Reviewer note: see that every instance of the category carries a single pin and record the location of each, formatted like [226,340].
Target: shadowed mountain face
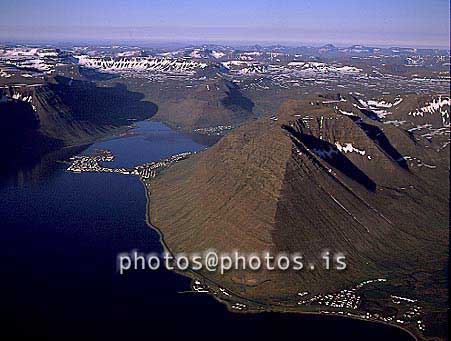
[38,119]
[316,179]
[331,155]
[20,134]
[100,105]
[212,103]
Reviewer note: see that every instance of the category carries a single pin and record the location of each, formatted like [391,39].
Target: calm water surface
[61,233]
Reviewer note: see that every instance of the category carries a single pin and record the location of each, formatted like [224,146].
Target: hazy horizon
[415,23]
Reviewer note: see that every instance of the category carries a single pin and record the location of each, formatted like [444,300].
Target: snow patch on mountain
[16,96]
[349,148]
[40,59]
[379,107]
[25,52]
[439,105]
[323,67]
[217,54]
[347,113]
[4,74]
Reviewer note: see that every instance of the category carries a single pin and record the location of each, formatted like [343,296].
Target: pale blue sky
[381,22]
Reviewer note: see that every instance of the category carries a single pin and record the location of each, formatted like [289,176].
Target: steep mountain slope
[20,134]
[38,119]
[316,179]
[212,103]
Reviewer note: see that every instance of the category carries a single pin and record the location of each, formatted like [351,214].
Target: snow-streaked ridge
[141,64]
[437,105]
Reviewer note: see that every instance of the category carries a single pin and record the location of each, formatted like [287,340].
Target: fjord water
[61,233]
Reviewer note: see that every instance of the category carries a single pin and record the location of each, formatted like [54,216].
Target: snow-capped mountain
[30,58]
[141,64]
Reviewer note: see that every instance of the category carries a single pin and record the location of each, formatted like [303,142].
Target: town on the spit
[92,163]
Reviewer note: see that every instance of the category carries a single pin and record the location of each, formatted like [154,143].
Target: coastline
[260,307]
[253,306]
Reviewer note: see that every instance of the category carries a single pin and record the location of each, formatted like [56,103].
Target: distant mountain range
[197,87]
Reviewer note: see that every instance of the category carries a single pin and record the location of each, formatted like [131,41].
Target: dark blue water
[61,233]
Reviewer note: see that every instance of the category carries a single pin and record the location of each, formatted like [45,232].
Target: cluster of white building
[239,306]
[199,287]
[213,130]
[92,163]
[349,300]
